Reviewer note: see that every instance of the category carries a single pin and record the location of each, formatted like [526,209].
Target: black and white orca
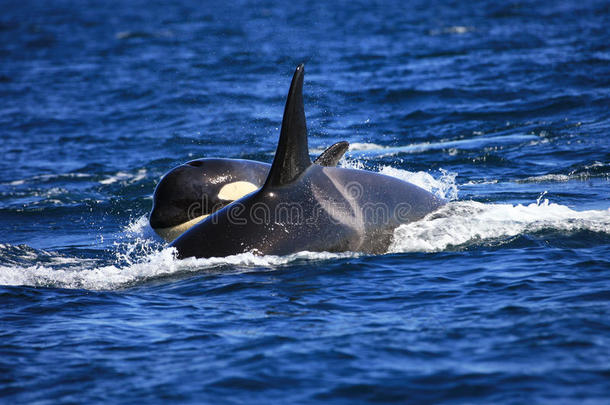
[303,206]
[192,191]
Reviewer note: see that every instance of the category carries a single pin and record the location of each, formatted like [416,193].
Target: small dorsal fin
[331,156]
[292,153]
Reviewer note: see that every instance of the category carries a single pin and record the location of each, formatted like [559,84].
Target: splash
[124,178]
[372,150]
[468,223]
[586,172]
[89,275]
[443,187]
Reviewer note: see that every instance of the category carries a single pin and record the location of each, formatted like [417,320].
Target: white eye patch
[236,190]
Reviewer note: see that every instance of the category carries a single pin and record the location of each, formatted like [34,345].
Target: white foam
[127,178]
[469,222]
[139,228]
[351,163]
[585,173]
[358,146]
[76,273]
[443,187]
[455,29]
[48,177]
[139,256]
[370,150]
[546,178]
[353,147]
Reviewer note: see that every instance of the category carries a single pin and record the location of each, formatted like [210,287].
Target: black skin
[325,209]
[306,207]
[191,190]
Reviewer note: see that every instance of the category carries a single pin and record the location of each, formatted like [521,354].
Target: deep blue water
[501,107]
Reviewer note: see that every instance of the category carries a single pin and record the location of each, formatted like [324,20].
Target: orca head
[190,192]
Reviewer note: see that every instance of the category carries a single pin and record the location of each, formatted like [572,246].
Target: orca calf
[303,206]
[192,191]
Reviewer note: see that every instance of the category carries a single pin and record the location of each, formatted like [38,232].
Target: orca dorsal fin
[331,156]
[292,153]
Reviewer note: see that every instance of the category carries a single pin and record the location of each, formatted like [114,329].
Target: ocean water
[501,107]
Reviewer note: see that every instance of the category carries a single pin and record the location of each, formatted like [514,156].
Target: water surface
[502,108]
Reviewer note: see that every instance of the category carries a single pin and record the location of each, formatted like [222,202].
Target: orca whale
[303,206]
[192,191]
